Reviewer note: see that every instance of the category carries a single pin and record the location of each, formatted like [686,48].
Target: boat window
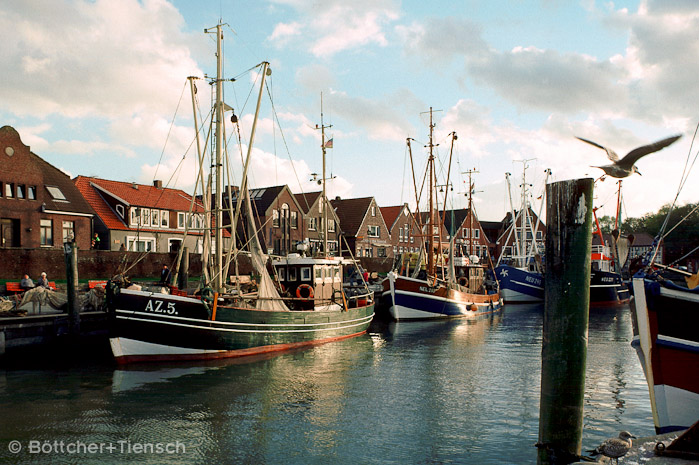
[306,273]
[292,274]
[319,272]
[282,274]
[336,273]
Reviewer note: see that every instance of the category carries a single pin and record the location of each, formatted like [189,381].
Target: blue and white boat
[519,269]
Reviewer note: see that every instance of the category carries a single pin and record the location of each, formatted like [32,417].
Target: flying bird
[615,447]
[621,168]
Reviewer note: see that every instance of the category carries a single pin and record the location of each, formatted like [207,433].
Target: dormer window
[55,193]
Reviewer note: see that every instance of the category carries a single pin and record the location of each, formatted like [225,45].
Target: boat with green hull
[289,302]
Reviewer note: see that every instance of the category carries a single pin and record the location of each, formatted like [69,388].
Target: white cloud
[334,26]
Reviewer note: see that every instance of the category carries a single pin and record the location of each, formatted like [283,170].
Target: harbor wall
[92,264]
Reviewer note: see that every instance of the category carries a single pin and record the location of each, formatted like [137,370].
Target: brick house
[140,217]
[469,235]
[39,205]
[312,206]
[363,227]
[506,244]
[278,216]
[402,228]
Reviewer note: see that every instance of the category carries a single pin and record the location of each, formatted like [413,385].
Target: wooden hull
[607,289]
[155,327]
[520,286]
[416,299]
[667,344]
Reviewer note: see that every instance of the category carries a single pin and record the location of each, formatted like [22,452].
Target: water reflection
[408,392]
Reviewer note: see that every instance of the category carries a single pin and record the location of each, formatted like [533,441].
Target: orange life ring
[305,287]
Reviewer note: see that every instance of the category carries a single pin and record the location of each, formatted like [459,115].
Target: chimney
[134,185]
[337,197]
[158,184]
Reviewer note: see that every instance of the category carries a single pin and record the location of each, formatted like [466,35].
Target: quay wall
[92,264]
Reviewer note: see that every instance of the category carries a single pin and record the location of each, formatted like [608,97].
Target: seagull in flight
[621,168]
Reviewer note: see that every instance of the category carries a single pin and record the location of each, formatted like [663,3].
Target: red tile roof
[391,214]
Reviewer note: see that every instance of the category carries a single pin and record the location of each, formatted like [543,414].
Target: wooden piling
[183,277]
[71,257]
[567,302]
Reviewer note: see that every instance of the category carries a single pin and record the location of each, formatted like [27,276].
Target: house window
[134,216]
[381,252]
[373,231]
[46,232]
[539,235]
[2,190]
[373,210]
[331,225]
[143,244]
[400,235]
[9,190]
[145,216]
[312,224]
[294,220]
[332,246]
[120,210]
[31,193]
[464,233]
[155,218]
[275,218]
[21,191]
[180,220]
[368,252]
[359,252]
[164,218]
[55,193]
[476,233]
[68,231]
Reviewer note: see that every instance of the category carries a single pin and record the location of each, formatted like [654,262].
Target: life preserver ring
[463,281]
[307,290]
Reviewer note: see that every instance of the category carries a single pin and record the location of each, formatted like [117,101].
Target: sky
[98,88]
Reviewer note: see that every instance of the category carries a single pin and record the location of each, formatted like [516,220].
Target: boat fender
[474,307]
[304,289]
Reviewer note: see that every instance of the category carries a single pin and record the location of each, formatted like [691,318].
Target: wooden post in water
[71,257]
[183,277]
[567,302]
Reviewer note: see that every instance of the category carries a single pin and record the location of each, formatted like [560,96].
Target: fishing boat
[665,317]
[520,272]
[447,287]
[607,287]
[294,301]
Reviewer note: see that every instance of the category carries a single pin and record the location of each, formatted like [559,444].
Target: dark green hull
[153,327]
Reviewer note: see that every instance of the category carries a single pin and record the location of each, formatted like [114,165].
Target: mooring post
[71,256]
[183,278]
[567,302]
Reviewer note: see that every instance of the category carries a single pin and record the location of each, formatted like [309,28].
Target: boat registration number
[156,306]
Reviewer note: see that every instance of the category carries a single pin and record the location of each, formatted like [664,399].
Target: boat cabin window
[319,272]
[292,274]
[336,273]
[282,274]
[306,273]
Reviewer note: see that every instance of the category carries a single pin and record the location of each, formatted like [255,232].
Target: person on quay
[165,275]
[43,281]
[26,283]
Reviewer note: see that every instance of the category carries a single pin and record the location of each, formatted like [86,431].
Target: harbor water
[405,393]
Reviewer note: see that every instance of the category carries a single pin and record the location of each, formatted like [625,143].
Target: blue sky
[96,88]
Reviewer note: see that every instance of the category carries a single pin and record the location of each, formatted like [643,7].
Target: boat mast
[430,231]
[470,211]
[218,171]
[323,200]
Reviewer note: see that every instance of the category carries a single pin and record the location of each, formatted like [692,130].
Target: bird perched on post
[615,447]
[626,167]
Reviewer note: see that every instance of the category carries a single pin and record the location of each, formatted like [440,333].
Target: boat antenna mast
[471,191]
[324,200]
